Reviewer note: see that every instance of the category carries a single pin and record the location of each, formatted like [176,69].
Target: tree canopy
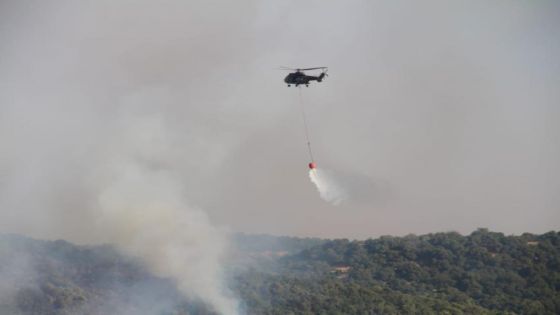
[442,273]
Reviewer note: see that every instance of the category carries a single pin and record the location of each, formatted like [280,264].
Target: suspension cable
[305,125]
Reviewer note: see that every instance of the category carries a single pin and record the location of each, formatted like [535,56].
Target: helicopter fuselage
[299,77]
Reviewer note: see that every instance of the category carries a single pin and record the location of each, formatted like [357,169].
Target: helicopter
[299,77]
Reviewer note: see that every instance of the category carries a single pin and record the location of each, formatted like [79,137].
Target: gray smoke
[93,138]
[141,207]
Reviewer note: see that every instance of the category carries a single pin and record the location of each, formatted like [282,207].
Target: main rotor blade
[300,69]
[286,68]
[314,68]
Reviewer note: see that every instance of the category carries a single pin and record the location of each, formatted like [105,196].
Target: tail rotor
[322,75]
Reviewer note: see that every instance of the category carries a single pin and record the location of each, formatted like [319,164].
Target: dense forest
[442,273]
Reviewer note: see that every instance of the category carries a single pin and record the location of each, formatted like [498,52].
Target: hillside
[57,277]
[443,273]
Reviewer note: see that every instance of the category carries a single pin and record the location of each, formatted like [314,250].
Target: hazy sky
[443,115]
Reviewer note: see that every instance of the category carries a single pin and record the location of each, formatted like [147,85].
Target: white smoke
[144,213]
[127,189]
[329,189]
[141,208]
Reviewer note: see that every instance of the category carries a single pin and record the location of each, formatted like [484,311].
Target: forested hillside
[443,273]
[56,277]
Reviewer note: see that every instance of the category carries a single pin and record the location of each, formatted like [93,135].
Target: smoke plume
[140,206]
